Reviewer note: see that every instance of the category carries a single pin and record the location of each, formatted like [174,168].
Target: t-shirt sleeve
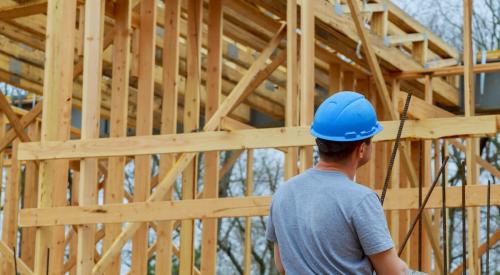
[270,233]
[371,226]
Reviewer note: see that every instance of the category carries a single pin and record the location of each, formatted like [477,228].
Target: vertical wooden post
[56,119]
[92,70]
[472,144]
[73,245]
[191,123]
[248,221]
[427,162]
[30,196]
[145,106]
[292,85]
[3,119]
[348,81]
[113,191]
[168,124]
[379,23]
[335,84]
[11,207]
[211,177]
[419,51]
[395,178]
[307,85]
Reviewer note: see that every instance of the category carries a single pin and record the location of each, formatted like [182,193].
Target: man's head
[345,152]
[343,126]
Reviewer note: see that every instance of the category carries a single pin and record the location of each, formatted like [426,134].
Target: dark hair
[335,151]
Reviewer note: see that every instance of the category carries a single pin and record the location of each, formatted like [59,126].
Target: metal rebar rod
[488,206]
[48,261]
[404,116]
[421,208]
[444,216]
[464,229]
[15,259]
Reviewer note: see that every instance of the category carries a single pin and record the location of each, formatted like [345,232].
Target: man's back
[326,224]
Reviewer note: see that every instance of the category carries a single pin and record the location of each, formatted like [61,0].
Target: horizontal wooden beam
[244,139]
[367,8]
[420,109]
[400,199]
[392,40]
[17,11]
[441,63]
[445,71]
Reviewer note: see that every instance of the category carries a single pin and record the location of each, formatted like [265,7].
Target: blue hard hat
[345,116]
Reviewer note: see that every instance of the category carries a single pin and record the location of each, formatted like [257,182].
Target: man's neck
[349,169]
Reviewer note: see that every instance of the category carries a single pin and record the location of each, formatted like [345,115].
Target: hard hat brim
[378,128]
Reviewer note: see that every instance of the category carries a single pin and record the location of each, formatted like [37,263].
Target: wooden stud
[144,127]
[307,84]
[57,94]
[113,191]
[348,81]
[168,124]
[395,176]
[420,51]
[380,23]
[11,207]
[211,176]
[30,200]
[472,144]
[292,85]
[427,180]
[335,78]
[92,68]
[191,123]
[247,259]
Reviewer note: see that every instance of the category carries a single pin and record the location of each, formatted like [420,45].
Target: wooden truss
[180,78]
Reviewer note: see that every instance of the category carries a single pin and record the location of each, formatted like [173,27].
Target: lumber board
[211,174]
[57,95]
[113,191]
[170,61]
[307,84]
[92,68]
[144,127]
[30,8]
[400,199]
[432,128]
[11,207]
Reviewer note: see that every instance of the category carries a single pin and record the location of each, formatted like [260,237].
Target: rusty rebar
[404,116]
[421,208]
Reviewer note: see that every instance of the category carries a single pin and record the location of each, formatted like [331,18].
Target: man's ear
[361,150]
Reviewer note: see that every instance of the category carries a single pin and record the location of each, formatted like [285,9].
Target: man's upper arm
[371,226]
[270,233]
[388,263]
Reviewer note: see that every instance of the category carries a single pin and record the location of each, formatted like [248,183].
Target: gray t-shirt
[324,223]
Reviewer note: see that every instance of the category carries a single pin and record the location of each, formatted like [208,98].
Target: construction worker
[322,221]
